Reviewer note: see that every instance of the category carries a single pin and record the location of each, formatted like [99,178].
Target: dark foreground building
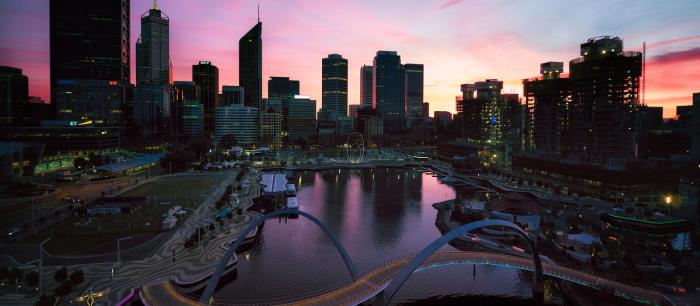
[89,41]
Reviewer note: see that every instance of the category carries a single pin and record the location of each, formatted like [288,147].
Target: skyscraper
[604,100]
[334,84]
[151,108]
[98,101]
[695,148]
[153,48]
[389,95]
[301,122]
[548,98]
[89,41]
[186,112]
[414,92]
[366,88]
[206,76]
[250,65]
[282,88]
[14,95]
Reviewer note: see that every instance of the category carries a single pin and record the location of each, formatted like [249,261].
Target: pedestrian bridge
[382,283]
[374,282]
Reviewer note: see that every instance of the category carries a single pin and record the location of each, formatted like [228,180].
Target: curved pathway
[374,282]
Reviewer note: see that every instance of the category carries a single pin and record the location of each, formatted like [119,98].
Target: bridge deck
[376,280]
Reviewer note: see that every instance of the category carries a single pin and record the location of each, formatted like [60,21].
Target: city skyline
[509,48]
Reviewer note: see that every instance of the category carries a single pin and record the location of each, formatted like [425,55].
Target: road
[52,202]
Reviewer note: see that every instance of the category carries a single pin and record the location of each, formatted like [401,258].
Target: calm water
[378,215]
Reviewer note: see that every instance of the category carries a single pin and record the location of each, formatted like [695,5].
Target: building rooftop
[131,163]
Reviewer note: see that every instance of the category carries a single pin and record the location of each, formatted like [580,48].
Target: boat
[291,190]
[292,203]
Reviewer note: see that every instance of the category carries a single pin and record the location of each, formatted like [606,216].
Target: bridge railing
[488,257]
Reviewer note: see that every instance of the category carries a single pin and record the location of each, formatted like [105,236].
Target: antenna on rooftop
[258,12]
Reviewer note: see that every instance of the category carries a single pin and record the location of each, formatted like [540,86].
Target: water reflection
[378,214]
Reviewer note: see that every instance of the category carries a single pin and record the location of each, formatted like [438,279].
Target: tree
[4,273]
[32,279]
[301,142]
[61,274]
[46,300]
[80,163]
[77,277]
[178,161]
[228,141]
[16,274]
[63,289]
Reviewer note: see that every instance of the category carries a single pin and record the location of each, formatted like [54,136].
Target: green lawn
[180,187]
[94,232]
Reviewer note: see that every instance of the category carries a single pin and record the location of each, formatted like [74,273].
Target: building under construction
[604,101]
[547,104]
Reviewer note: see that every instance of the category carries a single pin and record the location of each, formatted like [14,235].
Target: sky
[457,41]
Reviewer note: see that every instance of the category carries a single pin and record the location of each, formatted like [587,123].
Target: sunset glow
[457,41]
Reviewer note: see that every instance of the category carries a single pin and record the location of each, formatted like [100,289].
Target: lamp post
[41,262]
[668,199]
[119,249]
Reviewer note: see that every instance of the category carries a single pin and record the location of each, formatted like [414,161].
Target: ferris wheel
[355,148]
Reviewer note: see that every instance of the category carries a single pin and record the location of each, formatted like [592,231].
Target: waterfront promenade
[371,284]
[170,260]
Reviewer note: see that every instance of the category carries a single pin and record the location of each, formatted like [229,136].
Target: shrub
[61,274]
[77,277]
[45,300]
[4,273]
[63,289]
[32,279]
[16,274]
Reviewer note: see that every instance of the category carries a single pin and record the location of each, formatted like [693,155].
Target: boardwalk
[372,283]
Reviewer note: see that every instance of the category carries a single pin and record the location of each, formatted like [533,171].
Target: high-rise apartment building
[89,41]
[604,101]
[206,76]
[334,84]
[547,99]
[250,65]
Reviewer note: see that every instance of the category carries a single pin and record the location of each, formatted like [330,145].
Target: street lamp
[119,249]
[668,199]
[41,261]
